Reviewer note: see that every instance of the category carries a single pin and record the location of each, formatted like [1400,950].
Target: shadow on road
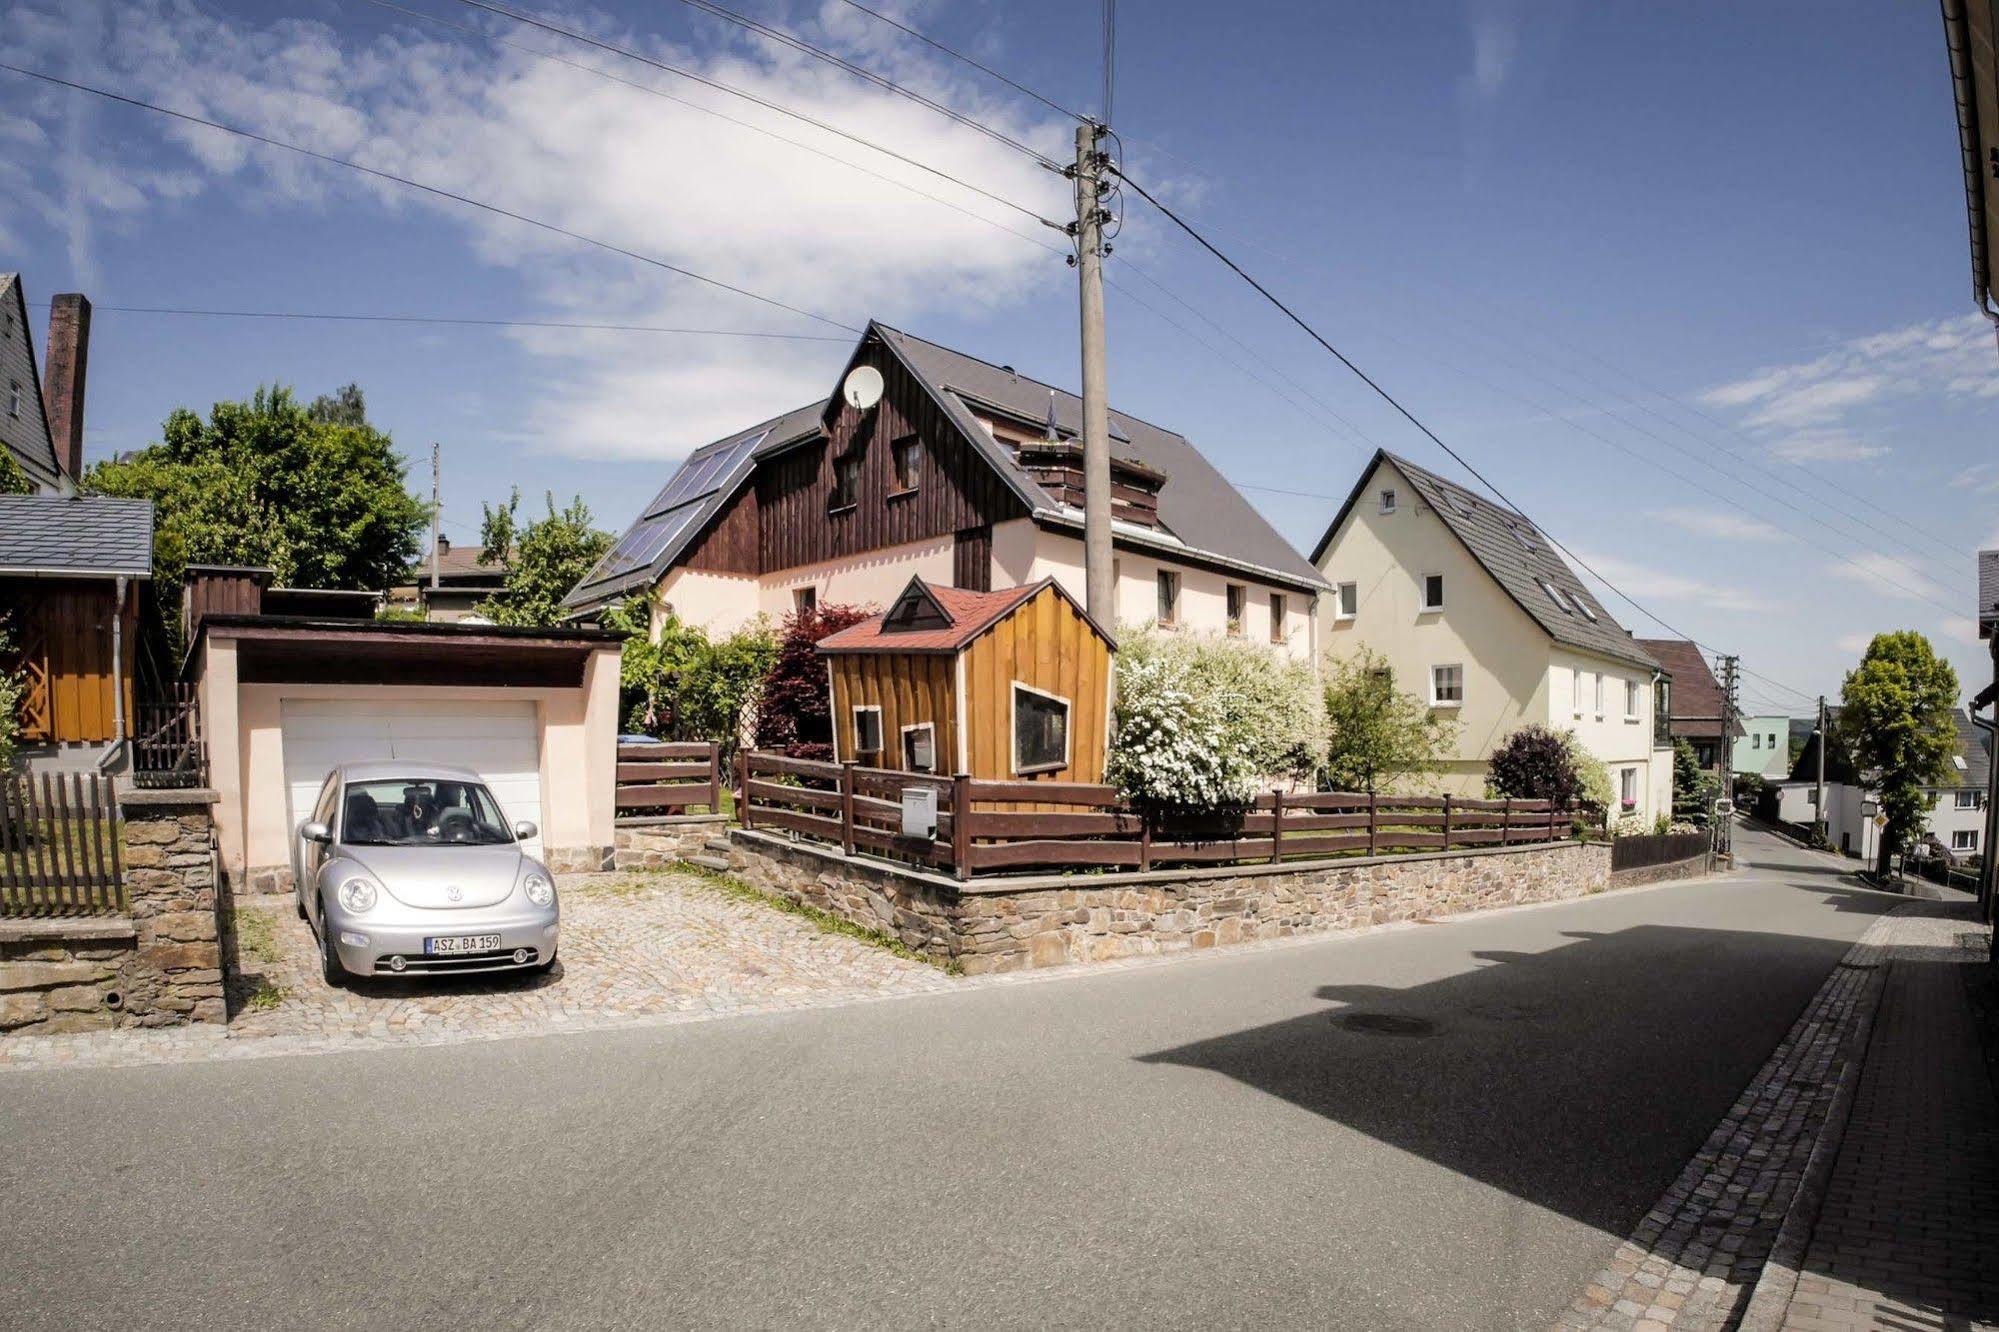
[1579,1079]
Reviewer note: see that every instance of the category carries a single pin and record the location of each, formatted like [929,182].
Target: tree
[542,561]
[685,686]
[321,503]
[1535,763]
[1895,716]
[794,713]
[1695,788]
[1379,736]
[13,481]
[347,407]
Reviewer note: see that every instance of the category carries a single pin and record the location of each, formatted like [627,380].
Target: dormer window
[1388,501]
[915,610]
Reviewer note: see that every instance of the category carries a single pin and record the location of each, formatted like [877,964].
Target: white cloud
[1811,410]
[1853,644]
[1979,479]
[1658,584]
[1727,526]
[1962,628]
[658,177]
[1891,577]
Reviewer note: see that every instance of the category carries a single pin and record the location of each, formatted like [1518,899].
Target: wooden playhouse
[1011,685]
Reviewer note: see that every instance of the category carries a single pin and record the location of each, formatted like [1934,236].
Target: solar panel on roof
[642,545]
[703,473]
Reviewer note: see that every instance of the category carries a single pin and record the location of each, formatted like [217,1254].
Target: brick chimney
[62,377]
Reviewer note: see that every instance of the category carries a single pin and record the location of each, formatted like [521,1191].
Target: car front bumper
[381,944]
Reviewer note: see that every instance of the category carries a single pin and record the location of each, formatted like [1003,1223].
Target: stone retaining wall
[158,966]
[1050,920]
[656,842]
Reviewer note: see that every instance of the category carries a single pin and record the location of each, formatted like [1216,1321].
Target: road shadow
[1580,1078]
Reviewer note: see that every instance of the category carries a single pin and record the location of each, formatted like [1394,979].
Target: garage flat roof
[280,649]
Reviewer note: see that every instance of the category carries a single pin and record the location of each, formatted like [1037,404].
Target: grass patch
[257,937]
[731,886]
[266,997]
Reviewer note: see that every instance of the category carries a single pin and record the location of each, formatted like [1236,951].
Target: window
[1969,799]
[1632,694]
[1526,542]
[1812,796]
[1599,698]
[846,484]
[1237,594]
[1447,686]
[1576,692]
[908,463]
[1169,597]
[1627,788]
[1582,607]
[867,731]
[1278,602]
[1040,730]
[1433,592]
[805,600]
[1388,501]
[1756,741]
[1553,595]
[1964,839]
[1349,604]
[919,748]
[13,399]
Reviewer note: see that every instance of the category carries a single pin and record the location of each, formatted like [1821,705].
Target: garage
[498,740]
[285,699]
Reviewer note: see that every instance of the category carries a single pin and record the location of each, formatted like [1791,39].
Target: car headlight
[539,890]
[357,895]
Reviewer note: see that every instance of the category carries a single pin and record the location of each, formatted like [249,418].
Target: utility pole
[1724,828]
[436,515]
[1819,824]
[1099,595]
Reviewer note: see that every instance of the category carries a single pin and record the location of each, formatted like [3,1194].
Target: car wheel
[329,960]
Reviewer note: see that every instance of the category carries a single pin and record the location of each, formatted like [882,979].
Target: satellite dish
[863,388]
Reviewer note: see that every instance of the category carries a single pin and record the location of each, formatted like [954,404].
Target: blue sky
[1688,282]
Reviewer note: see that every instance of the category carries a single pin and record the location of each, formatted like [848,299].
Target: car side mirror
[314,831]
[525,829]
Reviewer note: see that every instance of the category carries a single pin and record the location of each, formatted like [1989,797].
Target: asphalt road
[1203,1143]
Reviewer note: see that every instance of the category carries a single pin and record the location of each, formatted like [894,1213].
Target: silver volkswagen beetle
[409,868]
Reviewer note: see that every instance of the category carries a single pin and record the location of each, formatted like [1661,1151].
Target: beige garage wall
[578,740]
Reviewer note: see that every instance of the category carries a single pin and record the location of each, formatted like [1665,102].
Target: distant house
[463,581]
[1694,702]
[1957,810]
[70,566]
[1478,615]
[963,473]
[1763,747]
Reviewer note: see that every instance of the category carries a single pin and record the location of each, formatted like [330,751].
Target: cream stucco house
[965,474]
[1476,613]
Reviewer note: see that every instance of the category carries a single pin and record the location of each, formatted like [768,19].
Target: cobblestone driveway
[634,946]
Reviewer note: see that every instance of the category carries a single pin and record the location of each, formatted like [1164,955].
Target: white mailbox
[919,811]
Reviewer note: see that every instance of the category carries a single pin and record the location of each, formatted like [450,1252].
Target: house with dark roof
[1694,701]
[463,580]
[1955,824]
[71,566]
[1477,614]
[964,473]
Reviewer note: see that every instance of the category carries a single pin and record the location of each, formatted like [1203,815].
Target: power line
[457,320]
[797,43]
[959,55]
[584,38]
[441,193]
[1392,401]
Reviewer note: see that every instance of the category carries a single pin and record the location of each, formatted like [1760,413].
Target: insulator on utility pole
[1099,594]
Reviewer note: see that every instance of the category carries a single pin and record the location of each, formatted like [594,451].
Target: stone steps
[710,863]
[720,845]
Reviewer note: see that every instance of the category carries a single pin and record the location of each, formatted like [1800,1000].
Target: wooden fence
[669,777]
[167,745]
[1642,851]
[60,851]
[985,827]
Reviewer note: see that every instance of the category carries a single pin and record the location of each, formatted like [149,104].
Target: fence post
[1506,823]
[714,777]
[1144,840]
[1373,820]
[847,807]
[743,789]
[1277,826]
[1447,821]
[961,826]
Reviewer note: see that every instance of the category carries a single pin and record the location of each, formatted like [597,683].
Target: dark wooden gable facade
[786,516]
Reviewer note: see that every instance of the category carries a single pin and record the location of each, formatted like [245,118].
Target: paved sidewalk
[1908,1236]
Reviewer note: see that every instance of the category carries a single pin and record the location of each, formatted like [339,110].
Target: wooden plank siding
[730,543]
[957,489]
[972,559]
[1048,645]
[910,689]
[62,632]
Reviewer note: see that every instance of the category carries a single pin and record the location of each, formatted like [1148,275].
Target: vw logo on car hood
[454,892]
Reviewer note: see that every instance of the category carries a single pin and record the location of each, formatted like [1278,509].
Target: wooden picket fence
[60,846]
[986,827]
[669,777]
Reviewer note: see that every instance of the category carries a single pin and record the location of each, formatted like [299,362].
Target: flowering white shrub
[1202,723]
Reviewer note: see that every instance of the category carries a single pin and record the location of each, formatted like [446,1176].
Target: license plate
[462,943]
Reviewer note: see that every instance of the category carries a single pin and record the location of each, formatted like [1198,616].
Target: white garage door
[499,741]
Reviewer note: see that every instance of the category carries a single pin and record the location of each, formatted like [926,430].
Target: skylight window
[1520,535]
[1582,607]
[1554,596]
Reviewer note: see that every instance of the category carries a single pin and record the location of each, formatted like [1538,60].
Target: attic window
[846,484]
[1388,501]
[1554,596]
[1958,759]
[1582,607]
[915,610]
[908,456]
[14,399]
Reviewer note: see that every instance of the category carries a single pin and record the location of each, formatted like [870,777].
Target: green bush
[686,686]
[1379,738]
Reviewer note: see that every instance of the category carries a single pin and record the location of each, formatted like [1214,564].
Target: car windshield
[422,811]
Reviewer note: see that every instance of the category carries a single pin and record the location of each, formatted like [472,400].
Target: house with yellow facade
[1477,614]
